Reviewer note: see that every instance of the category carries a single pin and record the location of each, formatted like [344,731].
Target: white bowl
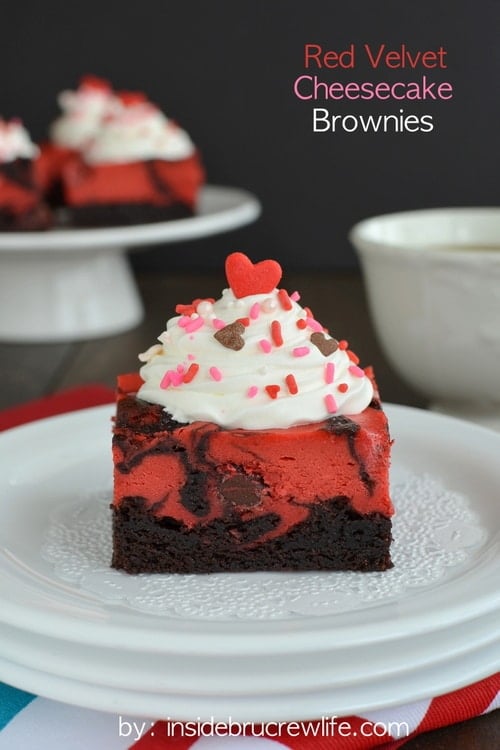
[433,284]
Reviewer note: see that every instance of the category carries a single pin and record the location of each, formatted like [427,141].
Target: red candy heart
[246,278]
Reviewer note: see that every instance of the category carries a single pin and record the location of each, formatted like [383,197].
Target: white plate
[359,640]
[219,209]
[84,286]
[389,689]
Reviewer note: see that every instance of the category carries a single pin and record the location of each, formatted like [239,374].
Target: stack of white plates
[253,647]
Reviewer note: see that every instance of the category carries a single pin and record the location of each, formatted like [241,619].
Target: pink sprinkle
[181,369]
[176,377]
[171,377]
[191,357]
[194,324]
[166,380]
[295,296]
[314,325]
[331,404]
[255,311]
[356,371]
[329,372]
[215,373]
[301,351]
[252,391]
[265,345]
[218,323]
[184,320]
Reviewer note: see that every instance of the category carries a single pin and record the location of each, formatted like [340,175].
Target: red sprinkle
[343,344]
[190,373]
[244,321]
[309,312]
[343,387]
[353,357]
[301,323]
[284,299]
[276,334]
[291,384]
[273,390]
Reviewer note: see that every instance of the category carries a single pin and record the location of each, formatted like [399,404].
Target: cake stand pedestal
[74,284]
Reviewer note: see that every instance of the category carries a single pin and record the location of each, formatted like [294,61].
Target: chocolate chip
[231,336]
[241,491]
[326,346]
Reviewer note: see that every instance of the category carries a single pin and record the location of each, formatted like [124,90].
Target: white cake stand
[73,284]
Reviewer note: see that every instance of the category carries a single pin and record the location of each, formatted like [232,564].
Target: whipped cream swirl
[83,112]
[255,362]
[15,142]
[138,133]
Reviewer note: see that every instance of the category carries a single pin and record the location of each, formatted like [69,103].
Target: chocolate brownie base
[333,537]
[125,214]
[35,220]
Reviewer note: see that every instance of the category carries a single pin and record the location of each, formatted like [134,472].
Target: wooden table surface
[28,371]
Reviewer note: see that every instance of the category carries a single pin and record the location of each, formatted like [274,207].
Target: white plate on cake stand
[265,645]
[70,284]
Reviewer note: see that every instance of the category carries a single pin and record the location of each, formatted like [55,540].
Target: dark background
[225,68]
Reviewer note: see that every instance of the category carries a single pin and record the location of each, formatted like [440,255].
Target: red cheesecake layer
[154,182]
[195,476]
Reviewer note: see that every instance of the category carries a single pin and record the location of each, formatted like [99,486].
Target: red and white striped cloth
[39,723]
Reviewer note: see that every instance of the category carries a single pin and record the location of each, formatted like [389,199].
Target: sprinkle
[317,327]
[184,320]
[329,372]
[356,371]
[218,323]
[204,307]
[295,296]
[308,312]
[343,387]
[301,323]
[231,336]
[171,377]
[190,373]
[343,344]
[276,334]
[151,352]
[191,357]
[265,345]
[176,377]
[181,369]
[166,380]
[255,311]
[353,357]
[244,321]
[326,346]
[273,390]
[284,299]
[215,373]
[291,384]
[269,304]
[189,309]
[194,324]
[331,404]
[252,391]
[300,351]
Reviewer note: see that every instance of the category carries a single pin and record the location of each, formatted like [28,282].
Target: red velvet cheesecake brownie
[82,113]
[139,167]
[21,204]
[251,440]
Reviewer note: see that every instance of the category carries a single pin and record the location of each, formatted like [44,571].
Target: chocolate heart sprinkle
[326,346]
[231,336]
